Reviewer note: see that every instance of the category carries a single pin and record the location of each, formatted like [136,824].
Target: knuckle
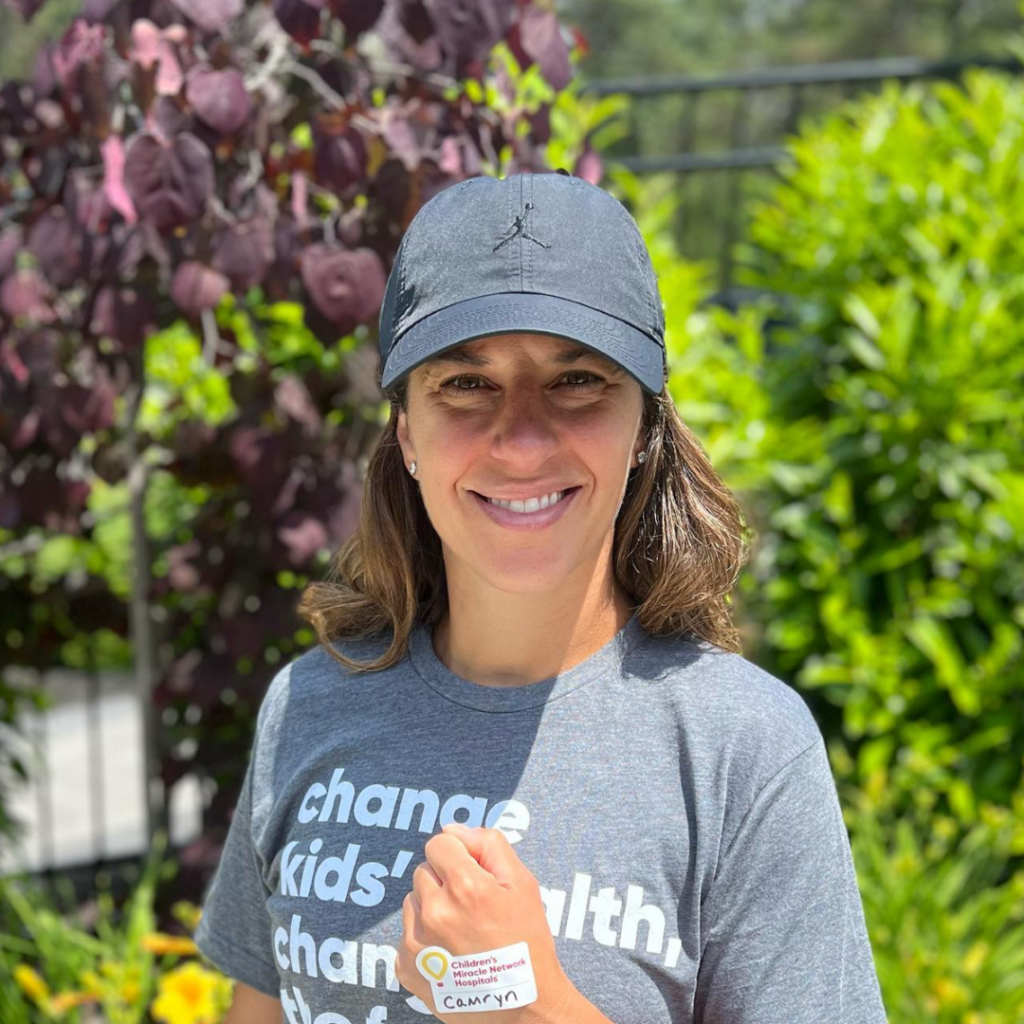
[464,888]
[435,916]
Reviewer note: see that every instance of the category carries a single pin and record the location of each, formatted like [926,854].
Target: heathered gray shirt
[674,801]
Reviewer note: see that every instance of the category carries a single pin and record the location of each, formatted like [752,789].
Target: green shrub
[947,935]
[869,412]
[890,570]
[78,964]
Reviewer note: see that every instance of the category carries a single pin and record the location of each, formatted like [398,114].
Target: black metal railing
[720,131]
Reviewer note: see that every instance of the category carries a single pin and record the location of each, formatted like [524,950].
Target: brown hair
[679,546]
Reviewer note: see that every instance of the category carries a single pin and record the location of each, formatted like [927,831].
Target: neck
[499,639]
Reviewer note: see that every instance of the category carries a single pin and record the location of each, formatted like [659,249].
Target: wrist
[569,1006]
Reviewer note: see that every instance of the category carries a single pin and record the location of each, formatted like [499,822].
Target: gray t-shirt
[674,801]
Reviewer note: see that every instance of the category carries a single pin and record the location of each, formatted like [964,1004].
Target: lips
[529,521]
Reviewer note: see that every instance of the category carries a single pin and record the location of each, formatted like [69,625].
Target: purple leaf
[10,243]
[167,119]
[25,294]
[124,315]
[56,243]
[210,15]
[145,46]
[197,287]
[589,167]
[152,45]
[94,11]
[405,27]
[404,134]
[449,158]
[245,253]
[82,43]
[169,182]
[339,155]
[113,180]
[218,97]
[292,397]
[358,16]
[346,287]
[302,534]
[468,29]
[299,18]
[300,198]
[537,38]
[87,410]
[26,8]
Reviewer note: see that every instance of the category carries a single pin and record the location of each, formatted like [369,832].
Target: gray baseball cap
[547,253]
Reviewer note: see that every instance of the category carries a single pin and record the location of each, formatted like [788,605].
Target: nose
[525,433]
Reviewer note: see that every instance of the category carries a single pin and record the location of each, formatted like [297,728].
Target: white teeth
[530,504]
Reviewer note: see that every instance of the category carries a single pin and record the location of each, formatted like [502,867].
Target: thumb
[490,849]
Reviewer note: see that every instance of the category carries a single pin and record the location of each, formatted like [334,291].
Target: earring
[641,457]
[412,468]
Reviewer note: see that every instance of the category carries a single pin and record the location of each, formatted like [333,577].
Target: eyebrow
[570,355]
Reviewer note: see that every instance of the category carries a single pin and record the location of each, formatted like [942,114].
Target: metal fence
[87,806]
[724,136]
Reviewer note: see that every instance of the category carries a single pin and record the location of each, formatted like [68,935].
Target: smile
[529,504]
[530,513]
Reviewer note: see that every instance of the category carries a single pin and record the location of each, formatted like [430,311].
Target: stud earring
[412,468]
[641,457]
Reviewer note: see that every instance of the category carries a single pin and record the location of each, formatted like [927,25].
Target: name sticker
[499,979]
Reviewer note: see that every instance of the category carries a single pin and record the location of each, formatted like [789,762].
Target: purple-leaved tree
[191,170]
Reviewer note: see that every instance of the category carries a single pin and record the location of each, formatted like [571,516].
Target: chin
[519,575]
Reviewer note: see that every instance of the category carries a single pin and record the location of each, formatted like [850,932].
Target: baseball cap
[548,253]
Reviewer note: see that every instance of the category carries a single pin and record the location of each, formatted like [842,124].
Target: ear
[638,446]
[402,433]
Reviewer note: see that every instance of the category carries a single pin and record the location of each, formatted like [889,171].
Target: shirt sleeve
[784,934]
[234,931]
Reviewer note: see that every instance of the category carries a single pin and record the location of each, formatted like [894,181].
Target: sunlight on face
[513,416]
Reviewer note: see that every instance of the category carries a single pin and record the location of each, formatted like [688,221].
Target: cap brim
[636,352]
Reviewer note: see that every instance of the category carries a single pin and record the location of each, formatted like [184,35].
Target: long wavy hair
[679,545]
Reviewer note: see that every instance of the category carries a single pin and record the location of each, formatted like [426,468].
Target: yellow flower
[949,992]
[130,992]
[975,958]
[158,942]
[91,982]
[190,994]
[64,1001]
[31,983]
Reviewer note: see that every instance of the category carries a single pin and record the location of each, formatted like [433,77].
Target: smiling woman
[533,618]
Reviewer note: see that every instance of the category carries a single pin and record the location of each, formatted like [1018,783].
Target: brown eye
[587,385]
[452,386]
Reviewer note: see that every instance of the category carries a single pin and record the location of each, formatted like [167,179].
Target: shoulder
[313,679]
[725,701]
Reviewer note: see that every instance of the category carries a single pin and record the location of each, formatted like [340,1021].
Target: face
[522,416]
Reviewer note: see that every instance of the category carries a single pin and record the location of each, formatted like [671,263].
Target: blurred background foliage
[868,408]
[866,405]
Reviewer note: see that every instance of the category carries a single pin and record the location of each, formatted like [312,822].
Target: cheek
[449,452]
[603,444]
[455,446]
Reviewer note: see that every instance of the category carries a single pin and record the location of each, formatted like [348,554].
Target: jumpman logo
[519,228]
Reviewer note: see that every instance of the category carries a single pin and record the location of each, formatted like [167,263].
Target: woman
[529,635]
